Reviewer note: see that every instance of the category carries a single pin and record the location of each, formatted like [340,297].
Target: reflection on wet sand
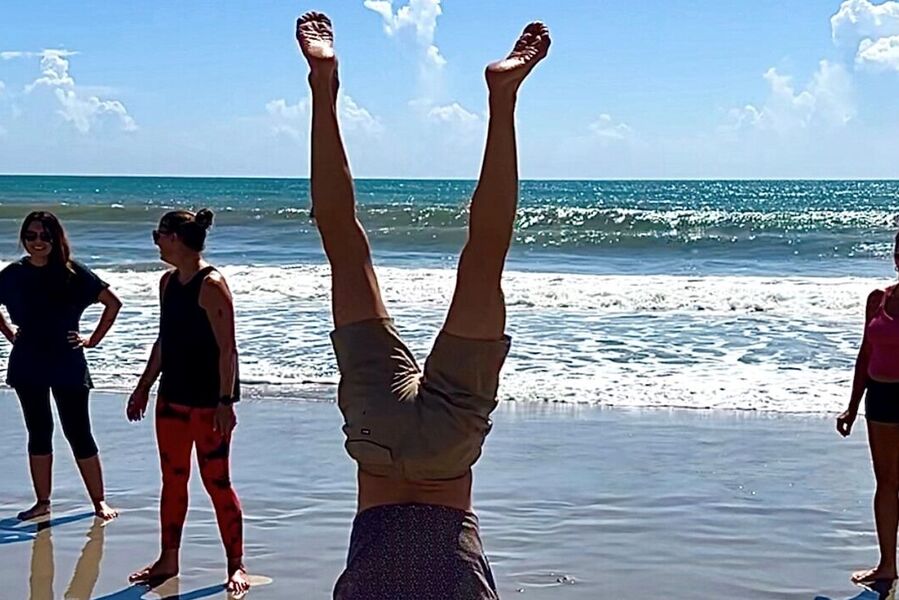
[87,569]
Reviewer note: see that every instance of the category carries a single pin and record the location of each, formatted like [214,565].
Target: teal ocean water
[718,294]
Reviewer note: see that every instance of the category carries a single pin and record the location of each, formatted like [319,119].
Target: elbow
[227,351]
[113,304]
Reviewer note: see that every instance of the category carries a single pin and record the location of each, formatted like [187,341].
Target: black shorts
[882,402]
[415,552]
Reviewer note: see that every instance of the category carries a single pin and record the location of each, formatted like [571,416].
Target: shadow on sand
[166,591]
[87,569]
[13,530]
[879,590]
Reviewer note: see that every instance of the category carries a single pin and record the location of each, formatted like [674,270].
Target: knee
[216,484]
[216,476]
[493,236]
[85,449]
[82,442]
[483,260]
[83,445]
[343,238]
[887,484]
[175,477]
[334,217]
[40,443]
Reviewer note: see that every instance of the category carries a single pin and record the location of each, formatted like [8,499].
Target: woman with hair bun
[196,356]
[46,292]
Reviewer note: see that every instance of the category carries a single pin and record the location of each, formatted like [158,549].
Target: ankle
[322,82]
[502,100]
[236,564]
[885,567]
[170,555]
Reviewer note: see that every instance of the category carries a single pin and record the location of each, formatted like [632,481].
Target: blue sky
[653,89]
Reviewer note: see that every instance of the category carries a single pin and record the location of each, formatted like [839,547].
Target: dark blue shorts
[415,552]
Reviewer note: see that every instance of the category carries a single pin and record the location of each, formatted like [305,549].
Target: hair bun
[204,218]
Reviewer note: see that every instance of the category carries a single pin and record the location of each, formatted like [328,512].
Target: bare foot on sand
[878,573]
[316,38]
[238,582]
[507,74]
[164,568]
[41,508]
[104,511]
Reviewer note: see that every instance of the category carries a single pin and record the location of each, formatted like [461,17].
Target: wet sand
[574,502]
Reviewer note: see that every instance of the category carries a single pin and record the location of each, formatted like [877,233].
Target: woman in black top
[197,357]
[45,293]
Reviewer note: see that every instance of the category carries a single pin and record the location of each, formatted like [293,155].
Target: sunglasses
[32,236]
[157,233]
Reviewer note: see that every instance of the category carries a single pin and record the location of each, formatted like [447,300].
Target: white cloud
[828,99]
[420,15]
[11,54]
[289,119]
[280,108]
[433,55]
[880,55]
[385,9]
[606,128]
[54,70]
[83,110]
[293,119]
[859,19]
[452,113]
[353,116]
[87,112]
[873,29]
[2,88]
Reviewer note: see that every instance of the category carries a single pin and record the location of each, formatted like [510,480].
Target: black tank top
[190,354]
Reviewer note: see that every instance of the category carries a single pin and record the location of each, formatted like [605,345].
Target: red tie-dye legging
[178,429]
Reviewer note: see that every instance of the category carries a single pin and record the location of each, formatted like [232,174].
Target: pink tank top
[883,336]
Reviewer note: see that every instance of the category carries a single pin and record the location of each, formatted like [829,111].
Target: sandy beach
[574,502]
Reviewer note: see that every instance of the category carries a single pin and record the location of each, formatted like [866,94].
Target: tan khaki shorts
[400,422]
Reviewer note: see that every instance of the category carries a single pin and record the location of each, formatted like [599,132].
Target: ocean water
[694,294]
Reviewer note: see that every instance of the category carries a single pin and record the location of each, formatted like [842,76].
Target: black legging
[71,403]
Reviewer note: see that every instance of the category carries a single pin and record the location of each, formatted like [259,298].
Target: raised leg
[478,309]
[355,292]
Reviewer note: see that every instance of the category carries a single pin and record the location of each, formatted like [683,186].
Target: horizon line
[388,178]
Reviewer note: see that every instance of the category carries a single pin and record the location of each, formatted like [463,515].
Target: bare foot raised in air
[316,39]
[878,573]
[41,508]
[164,568]
[507,74]
[238,582]
[104,511]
